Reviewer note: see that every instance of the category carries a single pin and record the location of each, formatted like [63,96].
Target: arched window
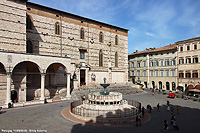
[29,23]
[57,28]
[116,40]
[100,58]
[100,37]
[29,47]
[82,33]
[116,59]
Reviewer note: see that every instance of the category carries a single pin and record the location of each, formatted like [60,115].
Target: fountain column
[68,86]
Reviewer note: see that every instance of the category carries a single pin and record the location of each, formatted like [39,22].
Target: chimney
[136,51]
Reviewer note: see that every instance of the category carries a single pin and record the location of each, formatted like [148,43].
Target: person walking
[165,127]
[158,107]
[143,111]
[137,119]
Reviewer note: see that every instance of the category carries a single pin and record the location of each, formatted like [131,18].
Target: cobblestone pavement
[48,118]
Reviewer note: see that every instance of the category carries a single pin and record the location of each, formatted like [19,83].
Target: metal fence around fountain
[109,114]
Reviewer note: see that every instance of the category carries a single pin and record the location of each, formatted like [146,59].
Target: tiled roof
[168,47]
[189,40]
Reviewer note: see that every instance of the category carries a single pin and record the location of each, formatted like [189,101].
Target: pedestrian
[168,108]
[172,110]
[159,91]
[137,119]
[150,108]
[153,92]
[167,103]
[178,110]
[158,107]
[175,126]
[143,110]
[165,127]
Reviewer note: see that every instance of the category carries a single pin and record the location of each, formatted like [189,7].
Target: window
[82,33]
[156,63]
[188,47]
[100,58]
[195,46]
[181,74]
[151,73]
[116,40]
[138,64]
[151,63]
[133,73]
[187,74]
[138,73]
[166,62]
[144,63]
[181,48]
[181,60]
[161,73]
[173,62]
[29,23]
[195,59]
[82,54]
[132,64]
[29,47]
[161,62]
[188,60]
[156,73]
[173,73]
[116,59]
[57,28]
[167,73]
[144,73]
[195,74]
[100,37]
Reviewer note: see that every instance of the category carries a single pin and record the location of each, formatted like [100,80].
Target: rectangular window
[195,59]
[161,73]
[188,75]
[82,54]
[173,73]
[144,73]
[151,73]
[181,75]
[156,73]
[138,73]
[132,64]
[144,63]
[167,73]
[166,62]
[161,63]
[138,64]
[188,60]
[195,74]
[188,47]
[181,61]
[195,46]
[181,48]
[133,74]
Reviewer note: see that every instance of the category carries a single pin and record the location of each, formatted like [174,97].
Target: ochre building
[45,52]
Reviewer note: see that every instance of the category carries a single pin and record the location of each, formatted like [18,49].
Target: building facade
[154,67]
[45,52]
[189,63]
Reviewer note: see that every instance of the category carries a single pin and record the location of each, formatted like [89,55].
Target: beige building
[189,63]
[154,67]
[45,52]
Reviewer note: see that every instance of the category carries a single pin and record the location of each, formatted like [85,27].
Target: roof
[189,40]
[70,14]
[165,48]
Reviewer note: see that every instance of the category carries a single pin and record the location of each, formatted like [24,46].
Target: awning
[197,87]
[195,90]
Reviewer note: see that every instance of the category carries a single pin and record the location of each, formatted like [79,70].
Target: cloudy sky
[151,23]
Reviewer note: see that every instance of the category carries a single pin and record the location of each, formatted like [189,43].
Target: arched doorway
[173,86]
[26,80]
[3,84]
[160,85]
[56,79]
[167,86]
[190,87]
[153,84]
[14,96]
[197,87]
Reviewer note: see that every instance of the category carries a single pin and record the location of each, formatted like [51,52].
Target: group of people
[173,118]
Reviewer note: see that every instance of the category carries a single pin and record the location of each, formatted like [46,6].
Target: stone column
[8,98]
[68,96]
[42,98]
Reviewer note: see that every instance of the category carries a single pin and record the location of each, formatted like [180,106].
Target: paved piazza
[48,118]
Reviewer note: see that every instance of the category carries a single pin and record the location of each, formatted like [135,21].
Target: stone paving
[48,118]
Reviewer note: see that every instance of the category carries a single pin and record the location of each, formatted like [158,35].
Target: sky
[151,23]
